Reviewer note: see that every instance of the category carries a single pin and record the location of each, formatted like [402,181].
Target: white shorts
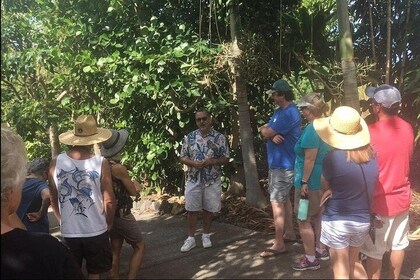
[203,197]
[392,236]
[342,234]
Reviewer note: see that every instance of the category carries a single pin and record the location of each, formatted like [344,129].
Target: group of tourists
[350,180]
[90,196]
[354,176]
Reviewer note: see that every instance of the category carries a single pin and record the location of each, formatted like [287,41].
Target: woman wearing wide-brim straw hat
[349,176]
[82,197]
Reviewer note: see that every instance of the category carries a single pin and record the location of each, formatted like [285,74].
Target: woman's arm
[308,166]
[120,172]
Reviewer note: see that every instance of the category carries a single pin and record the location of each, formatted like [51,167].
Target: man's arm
[53,190]
[216,161]
[107,193]
[193,163]
[269,133]
[35,216]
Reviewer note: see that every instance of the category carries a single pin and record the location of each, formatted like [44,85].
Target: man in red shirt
[393,140]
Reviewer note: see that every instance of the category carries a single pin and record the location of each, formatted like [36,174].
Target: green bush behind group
[148,65]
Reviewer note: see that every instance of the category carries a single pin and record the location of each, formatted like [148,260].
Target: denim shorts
[280,182]
[203,196]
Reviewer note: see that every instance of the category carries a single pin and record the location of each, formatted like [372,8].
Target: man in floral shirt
[204,150]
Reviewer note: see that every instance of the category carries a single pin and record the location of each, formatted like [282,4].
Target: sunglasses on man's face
[201,119]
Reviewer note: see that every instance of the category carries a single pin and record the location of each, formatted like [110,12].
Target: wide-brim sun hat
[115,144]
[85,133]
[345,129]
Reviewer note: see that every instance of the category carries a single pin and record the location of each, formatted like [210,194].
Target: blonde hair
[13,160]
[361,155]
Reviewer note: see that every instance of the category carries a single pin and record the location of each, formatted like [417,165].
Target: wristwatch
[303,182]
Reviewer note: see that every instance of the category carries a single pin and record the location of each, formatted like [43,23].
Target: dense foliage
[148,65]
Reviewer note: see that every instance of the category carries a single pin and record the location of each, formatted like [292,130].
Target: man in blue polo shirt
[282,132]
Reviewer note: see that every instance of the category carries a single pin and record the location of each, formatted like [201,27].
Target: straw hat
[344,129]
[115,144]
[85,133]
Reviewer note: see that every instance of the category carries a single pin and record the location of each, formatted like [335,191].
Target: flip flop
[272,253]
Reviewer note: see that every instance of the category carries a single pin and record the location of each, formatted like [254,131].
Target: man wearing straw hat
[393,140]
[82,197]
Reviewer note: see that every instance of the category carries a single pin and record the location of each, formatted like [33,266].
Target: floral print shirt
[196,147]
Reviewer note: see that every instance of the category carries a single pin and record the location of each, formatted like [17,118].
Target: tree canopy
[148,65]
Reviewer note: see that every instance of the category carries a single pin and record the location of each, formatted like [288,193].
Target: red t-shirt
[393,140]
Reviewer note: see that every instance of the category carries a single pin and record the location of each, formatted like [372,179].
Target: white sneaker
[206,241]
[189,243]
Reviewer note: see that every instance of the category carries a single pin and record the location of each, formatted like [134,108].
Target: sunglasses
[201,119]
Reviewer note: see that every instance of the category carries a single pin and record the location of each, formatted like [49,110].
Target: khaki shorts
[314,197]
[203,197]
[126,227]
[392,236]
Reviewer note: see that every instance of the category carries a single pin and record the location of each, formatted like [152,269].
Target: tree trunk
[237,177]
[388,42]
[404,58]
[372,34]
[351,95]
[54,143]
[254,195]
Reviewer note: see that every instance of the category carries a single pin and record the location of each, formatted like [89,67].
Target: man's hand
[34,216]
[199,164]
[277,139]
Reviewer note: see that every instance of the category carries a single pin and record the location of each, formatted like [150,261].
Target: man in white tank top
[82,197]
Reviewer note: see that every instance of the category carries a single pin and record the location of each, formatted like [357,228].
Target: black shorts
[96,250]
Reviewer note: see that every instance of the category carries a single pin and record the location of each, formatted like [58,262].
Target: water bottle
[303,208]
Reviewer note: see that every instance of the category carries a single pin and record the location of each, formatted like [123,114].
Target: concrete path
[235,253]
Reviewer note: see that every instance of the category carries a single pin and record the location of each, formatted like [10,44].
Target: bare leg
[136,259]
[373,268]
[357,271]
[192,223]
[278,216]
[289,231]
[397,259]
[207,216]
[307,235]
[116,245]
[340,263]
[317,224]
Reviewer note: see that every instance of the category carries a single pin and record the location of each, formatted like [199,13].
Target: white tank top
[79,196]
